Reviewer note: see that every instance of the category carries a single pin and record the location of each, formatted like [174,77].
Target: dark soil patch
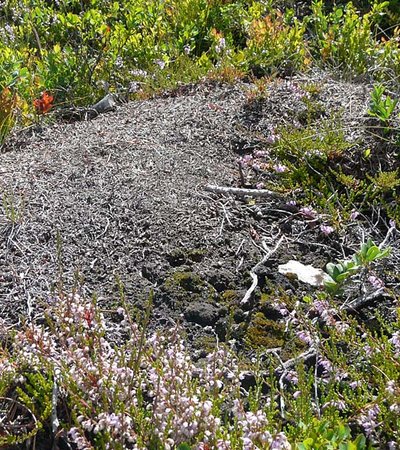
[123,196]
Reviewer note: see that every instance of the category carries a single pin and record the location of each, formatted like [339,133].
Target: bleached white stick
[253,271]
[241,192]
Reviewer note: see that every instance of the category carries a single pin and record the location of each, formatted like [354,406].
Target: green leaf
[372,253]
[330,267]
[342,277]
[184,446]
[347,446]
[331,283]
[307,444]
[360,442]
[384,253]
[357,259]
[343,431]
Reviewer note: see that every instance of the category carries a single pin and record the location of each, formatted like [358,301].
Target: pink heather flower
[260,153]
[341,327]
[138,73]
[392,223]
[308,212]
[256,167]
[281,307]
[395,341]
[305,336]
[369,351]
[392,445]
[291,203]
[272,138]
[297,91]
[246,160]
[368,420]
[280,168]
[326,229]
[355,384]
[160,63]
[223,445]
[80,441]
[321,307]
[327,366]
[324,310]
[292,376]
[338,404]
[376,282]
[260,185]
[221,45]
[296,394]
[133,87]
[391,387]
[280,442]
[395,407]
[354,214]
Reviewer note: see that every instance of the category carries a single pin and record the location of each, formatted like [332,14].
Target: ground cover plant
[257,356]
[78,385]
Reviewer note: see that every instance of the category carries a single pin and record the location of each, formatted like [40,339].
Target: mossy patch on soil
[276,295]
[229,297]
[263,332]
[180,256]
[205,344]
[189,281]
[183,287]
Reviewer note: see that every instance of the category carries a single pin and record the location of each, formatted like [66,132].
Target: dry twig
[253,274]
[240,192]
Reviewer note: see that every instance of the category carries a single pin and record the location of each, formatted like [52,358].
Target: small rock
[204,314]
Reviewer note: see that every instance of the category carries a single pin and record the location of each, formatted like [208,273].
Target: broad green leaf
[184,446]
[372,253]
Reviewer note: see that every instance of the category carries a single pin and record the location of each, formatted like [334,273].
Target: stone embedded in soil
[203,314]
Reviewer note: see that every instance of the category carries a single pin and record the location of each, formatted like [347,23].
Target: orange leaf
[44,103]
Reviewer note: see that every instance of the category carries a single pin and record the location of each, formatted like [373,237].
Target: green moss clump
[184,286]
[276,294]
[264,332]
[207,344]
[188,281]
[229,297]
[196,254]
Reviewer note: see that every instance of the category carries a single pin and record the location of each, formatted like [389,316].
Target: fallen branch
[241,192]
[106,104]
[253,274]
[363,300]
[389,233]
[303,357]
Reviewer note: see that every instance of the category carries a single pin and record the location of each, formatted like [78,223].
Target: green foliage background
[80,49]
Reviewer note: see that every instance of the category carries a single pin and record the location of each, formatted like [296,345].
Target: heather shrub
[145,392]
[111,384]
